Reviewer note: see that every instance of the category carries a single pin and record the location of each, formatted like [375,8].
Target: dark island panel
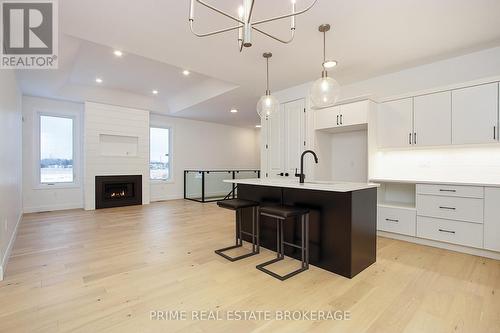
[342,225]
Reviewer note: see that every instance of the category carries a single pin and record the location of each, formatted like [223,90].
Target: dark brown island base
[342,225]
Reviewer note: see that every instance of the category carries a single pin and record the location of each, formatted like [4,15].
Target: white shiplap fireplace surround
[116,142]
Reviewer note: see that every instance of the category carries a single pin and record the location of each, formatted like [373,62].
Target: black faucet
[301,175]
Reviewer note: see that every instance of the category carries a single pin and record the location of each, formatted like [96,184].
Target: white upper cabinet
[395,123]
[432,119]
[492,218]
[327,117]
[475,114]
[342,115]
[354,113]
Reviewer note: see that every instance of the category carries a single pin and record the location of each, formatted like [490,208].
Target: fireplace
[118,191]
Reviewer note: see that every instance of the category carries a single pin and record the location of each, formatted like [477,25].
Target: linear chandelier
[244,24]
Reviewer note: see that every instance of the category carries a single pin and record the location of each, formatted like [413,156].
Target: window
[56,149]
[159,155]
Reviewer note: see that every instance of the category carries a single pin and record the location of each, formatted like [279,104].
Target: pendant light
[268,104]
[324,91]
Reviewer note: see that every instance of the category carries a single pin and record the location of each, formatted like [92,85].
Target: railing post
[185,190]
[234,185]
[203,186]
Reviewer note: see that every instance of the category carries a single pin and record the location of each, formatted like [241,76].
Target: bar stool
[281,213]
[238,205]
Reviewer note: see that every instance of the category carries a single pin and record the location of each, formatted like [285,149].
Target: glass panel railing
[209,185]
[215,187]
[246,174]
[193,185]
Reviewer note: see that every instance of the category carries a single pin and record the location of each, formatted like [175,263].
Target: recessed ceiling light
[186,72]
[258,126]
[155,92]
[98,80]
[118,53]
[234,110]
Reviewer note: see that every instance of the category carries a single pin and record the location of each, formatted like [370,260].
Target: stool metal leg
[257,221]
[307,240]
[239,239]
[282,240]
[302,248]
[253,229]
[238,213]
[281,253]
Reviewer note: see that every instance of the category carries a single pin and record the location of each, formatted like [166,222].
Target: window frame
[76,183]
[170,178]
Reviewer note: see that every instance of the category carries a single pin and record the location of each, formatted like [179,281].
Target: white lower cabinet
[450,231]
[492,218]
[452,208]
[457,214]
[397,220]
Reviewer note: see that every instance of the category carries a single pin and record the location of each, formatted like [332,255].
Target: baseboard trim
[5,259]
[49,208]
[441,245]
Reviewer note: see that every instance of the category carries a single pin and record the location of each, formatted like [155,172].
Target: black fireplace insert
[118,191]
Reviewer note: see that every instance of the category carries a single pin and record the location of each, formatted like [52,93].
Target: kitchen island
[342,224]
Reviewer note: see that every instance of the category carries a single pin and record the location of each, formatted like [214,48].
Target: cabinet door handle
[286,174]
[494,132]
[340,119]
[445,190]
[409,140]
[280,174]
[449,208]
[392,220]
[337,119]
[415,138]
[447,231]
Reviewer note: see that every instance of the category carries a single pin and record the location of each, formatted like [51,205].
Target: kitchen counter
[342,220]
[330,186]
[442,181]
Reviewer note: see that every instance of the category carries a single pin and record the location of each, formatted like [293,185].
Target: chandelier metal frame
[244,24]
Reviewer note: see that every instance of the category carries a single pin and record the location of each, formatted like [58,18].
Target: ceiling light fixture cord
[324,46]
[267,75]
[245,26]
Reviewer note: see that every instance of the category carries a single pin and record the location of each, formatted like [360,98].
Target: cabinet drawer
[451,190]
[456,232]
[452,208]
[400,221]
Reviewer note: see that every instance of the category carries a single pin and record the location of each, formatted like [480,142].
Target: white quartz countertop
[331,186]
[442,181]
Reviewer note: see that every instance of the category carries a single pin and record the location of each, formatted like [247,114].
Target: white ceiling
[369,38]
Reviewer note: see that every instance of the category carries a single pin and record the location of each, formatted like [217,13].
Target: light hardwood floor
[106,270]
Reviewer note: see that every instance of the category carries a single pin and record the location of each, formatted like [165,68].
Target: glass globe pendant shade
[324,92]
[267,105]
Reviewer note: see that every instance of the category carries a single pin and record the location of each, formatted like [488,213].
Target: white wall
[10,163]
[456,70]
[36,199]
[118,121]
[474,164]
[469,67]
[349,159]
[203,145]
